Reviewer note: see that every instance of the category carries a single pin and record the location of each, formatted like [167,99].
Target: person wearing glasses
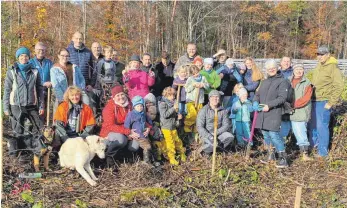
[328,85]
[65,74]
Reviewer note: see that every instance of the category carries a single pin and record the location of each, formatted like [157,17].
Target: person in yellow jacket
[196,86]
[168,110]
[328,85]
[211,76]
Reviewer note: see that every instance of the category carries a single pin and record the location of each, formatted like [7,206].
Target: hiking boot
[282,161]
[270,157]
[304,151]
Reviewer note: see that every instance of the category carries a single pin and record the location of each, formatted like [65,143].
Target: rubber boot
[146,158]
[12,145]
[269,157]
[172,158]
[304,151]
[282,160]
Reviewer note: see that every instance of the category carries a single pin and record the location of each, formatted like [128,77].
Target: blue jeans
[300,132]
[285,128]
[273,138]
[242,131]
[182,108]
[319,127]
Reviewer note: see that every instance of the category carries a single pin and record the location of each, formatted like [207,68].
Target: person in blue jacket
[251,77]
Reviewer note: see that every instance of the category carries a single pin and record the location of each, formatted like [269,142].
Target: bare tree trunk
[19,10]
[60,21]
[84,20]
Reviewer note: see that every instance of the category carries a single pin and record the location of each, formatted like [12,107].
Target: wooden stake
[214,140]
[197,95]
[48,106]
[178,94]
[298,197]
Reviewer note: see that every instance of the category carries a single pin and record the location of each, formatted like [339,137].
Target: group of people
[163,108]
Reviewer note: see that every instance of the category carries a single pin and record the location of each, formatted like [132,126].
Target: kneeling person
[73,118]
[205,123]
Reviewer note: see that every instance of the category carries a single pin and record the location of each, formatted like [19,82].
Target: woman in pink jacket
[136,80]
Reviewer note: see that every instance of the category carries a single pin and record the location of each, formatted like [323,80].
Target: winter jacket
[205,121]
[242,111]
[138,82]
[233,99]
[183,60]
[22,92]
[83,58]
[137,121]
[287,73]
[113,119]
[105,71]
[250,85]
[96,60]
[86,120]
[164,77]
[304,113]
[44,68]
[191,90]
[212,78]
[327,80]
[168,114]
[119,69]
[272,92]
[230,79]
[59,80]
[177,80]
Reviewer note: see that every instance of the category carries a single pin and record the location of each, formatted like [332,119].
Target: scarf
[23,69]
[170,103]
[198,79]
[74,113]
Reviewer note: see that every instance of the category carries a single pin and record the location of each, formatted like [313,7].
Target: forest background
[244,28]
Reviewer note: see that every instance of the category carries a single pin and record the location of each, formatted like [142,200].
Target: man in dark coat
[272,94]
[164,74]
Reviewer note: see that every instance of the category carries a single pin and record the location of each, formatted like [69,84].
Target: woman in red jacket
[113,129]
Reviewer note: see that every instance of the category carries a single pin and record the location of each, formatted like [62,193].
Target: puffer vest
[304,113]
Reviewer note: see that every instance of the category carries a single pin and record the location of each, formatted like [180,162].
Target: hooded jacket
[138,82]
[327,81]
[272,92]
[113,119]
[83,58]
[168,114]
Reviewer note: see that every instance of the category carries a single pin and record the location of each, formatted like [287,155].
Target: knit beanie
[117,89]
[298,65]
[137,100]
[215,93]
[22,50]
[150,98]
[197,59]
[208,61]
[229,61]
[242,92]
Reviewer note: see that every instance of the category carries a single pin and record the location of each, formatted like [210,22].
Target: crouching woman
[73,118]
[113,129]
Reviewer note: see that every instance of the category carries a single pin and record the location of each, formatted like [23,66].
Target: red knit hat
[196,59]
[117,89]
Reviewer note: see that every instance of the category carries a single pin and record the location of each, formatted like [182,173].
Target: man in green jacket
[328,85]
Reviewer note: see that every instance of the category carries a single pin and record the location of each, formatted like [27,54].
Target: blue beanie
[22,50]
[137,100]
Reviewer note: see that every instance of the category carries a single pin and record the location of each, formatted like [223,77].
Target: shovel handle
[48,106]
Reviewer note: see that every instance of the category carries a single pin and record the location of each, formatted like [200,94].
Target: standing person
[286,67]
[211,76]
[83,58]
[220,59]
[147,63]
[168,115]
[138,121]
[187,58]
[43,65]
[328,83]
[65,74]
[181,80]
[196,86]
[119,66]
[252,77]
[73,118]
[205,123]
[272,94]
[96,51]
[229,78]
[22,95]
[302,108]
[112,129]
[164,71]
[136,80]
[242,109]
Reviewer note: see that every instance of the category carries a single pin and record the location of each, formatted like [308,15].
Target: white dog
[76,153]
